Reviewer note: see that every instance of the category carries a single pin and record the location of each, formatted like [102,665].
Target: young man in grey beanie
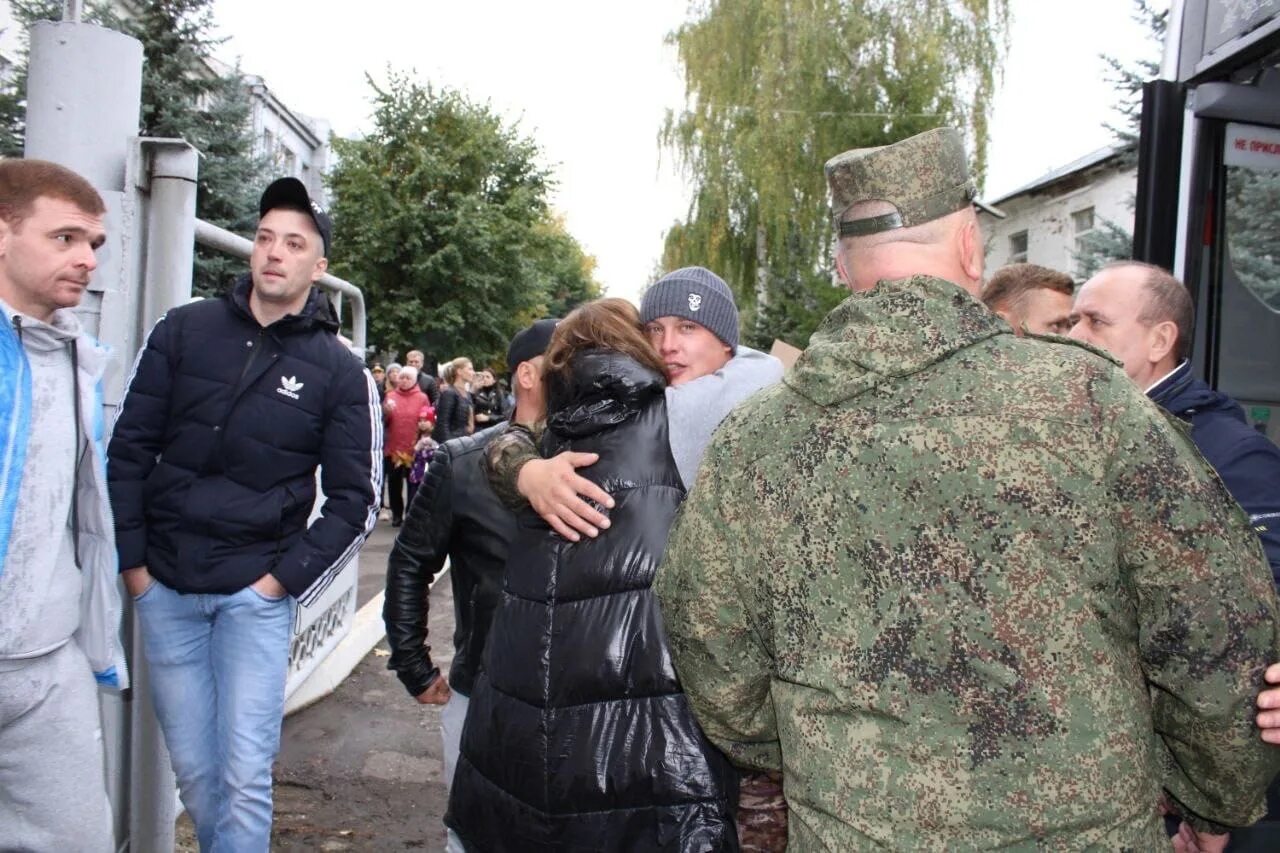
[692,322]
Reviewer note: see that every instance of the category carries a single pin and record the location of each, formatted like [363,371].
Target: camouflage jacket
[506,454]
[971,591]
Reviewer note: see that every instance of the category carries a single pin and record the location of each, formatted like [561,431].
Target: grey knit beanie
[696,294]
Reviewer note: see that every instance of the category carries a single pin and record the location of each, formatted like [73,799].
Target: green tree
[441,216]
[1129,75]
[1108,241]
[774,88]
[1111,241]
[183,95]
[1252,220]
[566,272]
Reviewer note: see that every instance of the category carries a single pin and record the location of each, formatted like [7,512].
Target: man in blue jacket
[1143,316]
[59,605]
[232,406]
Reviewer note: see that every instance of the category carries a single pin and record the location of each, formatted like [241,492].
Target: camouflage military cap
[924,177]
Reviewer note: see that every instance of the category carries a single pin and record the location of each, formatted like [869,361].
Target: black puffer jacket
[212,462]
[578,735]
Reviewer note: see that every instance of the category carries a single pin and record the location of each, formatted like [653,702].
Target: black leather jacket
[487,403]
[578,735]
[455,515]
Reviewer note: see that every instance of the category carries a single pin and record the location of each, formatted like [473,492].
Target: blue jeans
[218,669]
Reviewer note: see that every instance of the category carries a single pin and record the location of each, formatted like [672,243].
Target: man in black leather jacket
[457,516]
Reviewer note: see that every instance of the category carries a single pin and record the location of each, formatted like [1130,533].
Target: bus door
[1229,246]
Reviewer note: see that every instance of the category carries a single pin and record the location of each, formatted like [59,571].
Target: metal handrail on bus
[213,237]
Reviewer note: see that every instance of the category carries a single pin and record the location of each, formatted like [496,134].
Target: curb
[367,630]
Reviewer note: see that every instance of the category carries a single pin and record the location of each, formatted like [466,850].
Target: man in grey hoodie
[59,605]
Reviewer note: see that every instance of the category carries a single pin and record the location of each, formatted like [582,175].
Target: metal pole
[171,223]
[86,119]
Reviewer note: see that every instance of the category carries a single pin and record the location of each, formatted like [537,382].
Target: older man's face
[1106,314]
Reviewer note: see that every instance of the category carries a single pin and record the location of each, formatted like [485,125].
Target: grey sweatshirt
[40,588]
[696,408]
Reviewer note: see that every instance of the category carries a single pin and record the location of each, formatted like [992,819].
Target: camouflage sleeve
[715,635]
[1206,617]
[505,456]
[762,813]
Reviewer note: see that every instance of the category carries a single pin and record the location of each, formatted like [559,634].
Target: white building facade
[294,144]
[1050,217]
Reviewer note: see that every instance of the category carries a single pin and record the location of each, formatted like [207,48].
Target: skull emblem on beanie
[695,301]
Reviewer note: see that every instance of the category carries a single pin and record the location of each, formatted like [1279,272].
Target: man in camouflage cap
[970,590]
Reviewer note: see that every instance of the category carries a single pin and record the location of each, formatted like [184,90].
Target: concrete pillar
[84,96]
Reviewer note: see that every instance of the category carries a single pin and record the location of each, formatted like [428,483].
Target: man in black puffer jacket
[232,406]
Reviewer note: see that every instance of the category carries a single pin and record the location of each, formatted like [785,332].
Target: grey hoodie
[696,408]
[40,588]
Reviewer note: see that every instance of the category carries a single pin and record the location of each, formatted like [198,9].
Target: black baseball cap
[530,343]
[292,193]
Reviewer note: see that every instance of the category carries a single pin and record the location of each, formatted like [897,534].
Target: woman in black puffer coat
[578,736]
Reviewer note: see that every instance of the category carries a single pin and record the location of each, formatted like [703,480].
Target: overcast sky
[590,81]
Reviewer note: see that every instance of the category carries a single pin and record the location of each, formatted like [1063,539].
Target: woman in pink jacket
[400,414]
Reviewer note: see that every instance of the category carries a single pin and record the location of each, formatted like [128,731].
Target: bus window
[1252,209]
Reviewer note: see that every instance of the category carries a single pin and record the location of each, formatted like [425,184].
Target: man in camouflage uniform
[967,590]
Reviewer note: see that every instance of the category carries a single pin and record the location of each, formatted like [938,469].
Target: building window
[268,144]
[1018,248]
[288,161]
[1082,225]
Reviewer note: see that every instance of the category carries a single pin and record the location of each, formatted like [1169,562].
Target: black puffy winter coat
[578,736]
[212,462]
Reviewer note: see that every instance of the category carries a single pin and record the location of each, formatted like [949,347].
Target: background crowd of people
[420,411]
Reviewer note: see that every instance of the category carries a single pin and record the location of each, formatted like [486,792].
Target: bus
[1208,192]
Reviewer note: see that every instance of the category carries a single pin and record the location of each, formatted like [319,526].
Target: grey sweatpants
[53,794]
